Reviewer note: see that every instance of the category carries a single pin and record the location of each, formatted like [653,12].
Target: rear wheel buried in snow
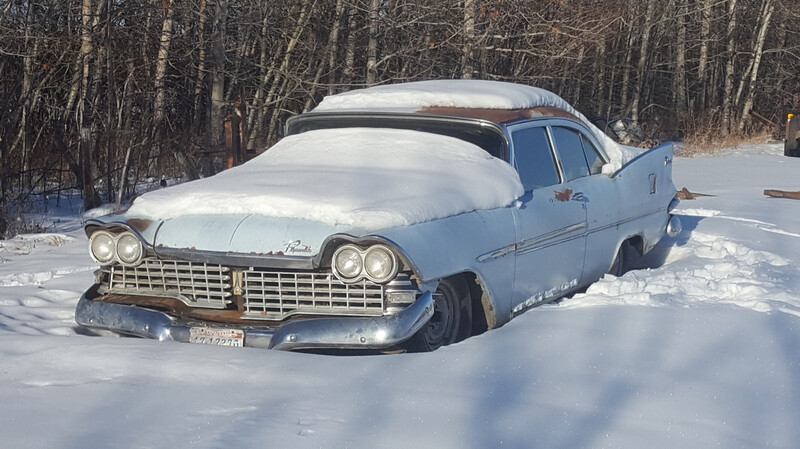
[625,260]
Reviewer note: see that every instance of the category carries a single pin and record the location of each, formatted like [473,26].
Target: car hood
[246,234]
[355,177]
[242,234]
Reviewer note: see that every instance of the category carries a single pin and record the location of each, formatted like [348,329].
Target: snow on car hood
[470,94]
[362,177]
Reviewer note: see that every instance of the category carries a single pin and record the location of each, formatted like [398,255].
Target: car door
[550,219]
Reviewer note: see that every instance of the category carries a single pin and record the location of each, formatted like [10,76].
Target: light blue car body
[552,241]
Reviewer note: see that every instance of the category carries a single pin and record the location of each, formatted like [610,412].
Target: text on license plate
[219,337]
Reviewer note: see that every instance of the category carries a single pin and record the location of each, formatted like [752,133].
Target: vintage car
[399,217]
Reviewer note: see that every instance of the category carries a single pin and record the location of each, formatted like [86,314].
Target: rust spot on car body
[564,195]
[139,224]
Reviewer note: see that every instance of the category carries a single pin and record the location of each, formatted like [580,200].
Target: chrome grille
[196,284]
[272,295]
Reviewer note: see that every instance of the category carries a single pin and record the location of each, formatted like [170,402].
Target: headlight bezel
[113,243]
[139,252]
[337,270]
[390,274]
[364,272]
[115,238]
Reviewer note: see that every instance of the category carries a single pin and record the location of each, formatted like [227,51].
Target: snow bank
[738,247]
[693,366]
[469,94]
[369,178]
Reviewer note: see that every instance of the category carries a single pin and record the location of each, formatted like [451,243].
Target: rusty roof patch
[499,115]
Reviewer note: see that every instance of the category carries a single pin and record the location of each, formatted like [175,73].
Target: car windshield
[483,134]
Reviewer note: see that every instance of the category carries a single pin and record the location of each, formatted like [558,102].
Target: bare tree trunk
[200,79]
[161,68]
[766,14]
[470,12]
[612,81]
[577,82]
[124,123]
[333,37]
[599,85]
[279,81]
[679,78]
[626,70]
[27,92]
[334,47]
[77,69]
[705,33]
[730,60]
[372,46]
[219,18]
[86,114]
[641,66]
[350,49]
[111,90]
[276,92]
[256,111]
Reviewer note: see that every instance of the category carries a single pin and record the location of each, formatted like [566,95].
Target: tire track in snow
[764,226]
[38,278]
[45,312]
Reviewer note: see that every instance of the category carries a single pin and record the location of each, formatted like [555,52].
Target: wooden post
[782,194]
[230,144]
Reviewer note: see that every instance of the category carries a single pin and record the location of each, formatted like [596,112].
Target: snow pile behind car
[478,94]
[367,178]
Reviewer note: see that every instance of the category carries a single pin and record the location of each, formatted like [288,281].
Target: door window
[571,153]
[592,156]
[534,158]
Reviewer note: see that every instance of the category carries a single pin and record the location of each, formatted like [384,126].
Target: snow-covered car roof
[476,94]
[369,178]
[445,96]
[351,176]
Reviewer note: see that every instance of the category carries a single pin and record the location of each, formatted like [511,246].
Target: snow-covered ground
[702,351]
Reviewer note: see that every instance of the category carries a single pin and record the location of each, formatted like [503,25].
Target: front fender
[469,242]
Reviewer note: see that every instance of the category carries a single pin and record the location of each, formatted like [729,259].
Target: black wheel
[451,320]
[627,256]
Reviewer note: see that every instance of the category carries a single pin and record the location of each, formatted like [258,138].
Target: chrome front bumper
[334,333]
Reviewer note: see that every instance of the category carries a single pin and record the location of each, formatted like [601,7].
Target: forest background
[100,95]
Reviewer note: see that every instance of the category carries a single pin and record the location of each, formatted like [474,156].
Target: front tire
[451,320]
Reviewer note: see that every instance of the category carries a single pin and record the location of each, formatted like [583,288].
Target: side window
[534,158]
[570,151]
[592,156]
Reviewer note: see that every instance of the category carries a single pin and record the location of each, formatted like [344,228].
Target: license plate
[219,337]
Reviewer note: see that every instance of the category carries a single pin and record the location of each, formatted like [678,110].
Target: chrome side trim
[496,254]
[627,220]
[536,243]
[555,237]
[552,238]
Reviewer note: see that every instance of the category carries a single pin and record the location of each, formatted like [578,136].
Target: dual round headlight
[376,263]
[105,248]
